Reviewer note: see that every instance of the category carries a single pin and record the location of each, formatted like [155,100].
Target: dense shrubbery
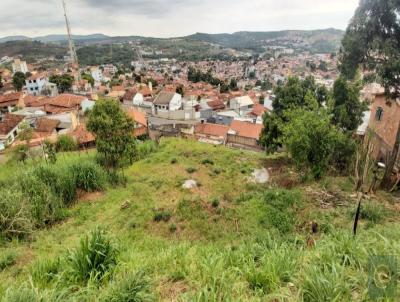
[66,143]
[37,197]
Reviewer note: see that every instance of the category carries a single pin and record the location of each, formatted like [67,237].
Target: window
[379,114]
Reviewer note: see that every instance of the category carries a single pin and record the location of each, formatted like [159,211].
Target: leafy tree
[233,85]
[114,133]
[26,132]
[224,88]
[64,82]
[312,140]
[19,80]
[294,94]
[270,137]
[372,42]
[89,78]
[347,109]
[180,90]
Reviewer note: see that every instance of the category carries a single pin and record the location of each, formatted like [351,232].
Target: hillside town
[165,101]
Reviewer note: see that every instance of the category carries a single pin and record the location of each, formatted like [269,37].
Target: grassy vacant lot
[227,240]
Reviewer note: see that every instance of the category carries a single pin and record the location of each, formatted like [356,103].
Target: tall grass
[94,258]
[131,287]
[37,197]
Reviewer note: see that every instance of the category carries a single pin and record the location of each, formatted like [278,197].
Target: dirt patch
[171,291]
[89,197]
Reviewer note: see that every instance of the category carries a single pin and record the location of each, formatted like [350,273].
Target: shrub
[215,203]
[66,143]
[7,260]
[20,153]
[131,288]
[162,215]
[191,170]
[312,141]
[207,162]
[173,228]
[94,258]
[88,176]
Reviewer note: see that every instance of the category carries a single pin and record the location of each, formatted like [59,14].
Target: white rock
[189,184]
[260,176]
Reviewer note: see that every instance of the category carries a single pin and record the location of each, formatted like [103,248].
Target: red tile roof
[138,117]
[211,129]
[10,99]
[216,104]
[9,122]
[46,125]
[247,129]
[82,135]
[258,110]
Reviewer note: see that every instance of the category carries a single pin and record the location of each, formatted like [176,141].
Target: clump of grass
[215,203]
[217,171]
[7,259]
[46,270]
[173,228]
[94,258]
[279,213]
[89,177]
[191,170]
[146,148]
[20,294]
[134,287]
[373,212]
[207,161]
[325,283]
[174,161]
[162,215]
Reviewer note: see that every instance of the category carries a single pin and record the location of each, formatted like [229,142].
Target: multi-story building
[36,84]
[19,66]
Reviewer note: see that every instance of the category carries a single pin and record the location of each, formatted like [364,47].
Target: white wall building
[97,75]
[36,84]
[19,66]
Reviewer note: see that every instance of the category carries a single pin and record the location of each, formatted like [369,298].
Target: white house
[167,101]
[36,84]
[97,75]
[9,129]
[242,104]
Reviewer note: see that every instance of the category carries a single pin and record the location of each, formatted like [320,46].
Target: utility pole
[72,50]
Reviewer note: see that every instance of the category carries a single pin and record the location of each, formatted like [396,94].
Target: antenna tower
[72,50]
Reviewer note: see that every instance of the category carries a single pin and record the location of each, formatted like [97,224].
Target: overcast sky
[171,18]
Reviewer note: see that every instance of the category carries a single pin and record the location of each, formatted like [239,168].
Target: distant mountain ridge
[54,38]
[223,38]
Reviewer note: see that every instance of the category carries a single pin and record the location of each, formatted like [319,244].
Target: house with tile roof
[9,129]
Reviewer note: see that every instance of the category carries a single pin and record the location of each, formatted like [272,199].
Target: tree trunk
[386,181]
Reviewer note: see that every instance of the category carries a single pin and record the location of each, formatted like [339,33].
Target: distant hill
[31,50]
[55,38]
[324,40]
[96,48]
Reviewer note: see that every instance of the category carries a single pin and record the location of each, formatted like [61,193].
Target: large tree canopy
[114,133]
[372,41]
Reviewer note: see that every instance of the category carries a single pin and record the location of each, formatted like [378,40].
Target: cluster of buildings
[159,97]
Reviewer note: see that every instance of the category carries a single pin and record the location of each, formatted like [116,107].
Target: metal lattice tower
[72,50]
